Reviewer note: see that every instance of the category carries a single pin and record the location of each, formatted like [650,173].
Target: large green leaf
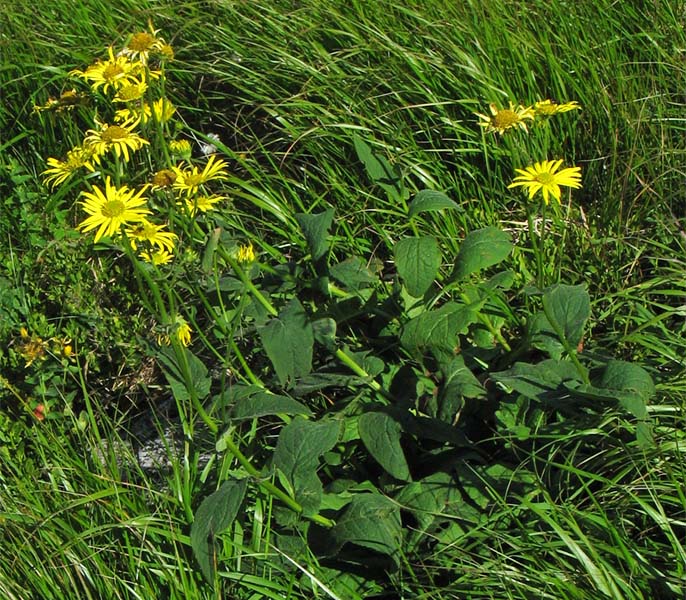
[541,381]
[214,515]
[459,383]
[417,260]
[315,228]
[371,521]
[298,450]
[353,273]
[249,402]
[430,200]
[288,341]
[567,308]
[438,329]
[380,434]
[481,249]
[198,378]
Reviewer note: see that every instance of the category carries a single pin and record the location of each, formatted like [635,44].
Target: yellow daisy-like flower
[544,176]
[120,138]
[156,257]
[547,108]
[114,73]
[143,43]
[500,120]
[189,180]
[155,235]
[59,171]
[112,208]
[131,92]
[200,203]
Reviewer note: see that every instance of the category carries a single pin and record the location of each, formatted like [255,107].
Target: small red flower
[39,412]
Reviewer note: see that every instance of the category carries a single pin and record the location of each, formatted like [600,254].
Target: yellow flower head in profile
[162,110]
[179,329]
[121,138]
[548,108]
[112,208]
[68,100]
[189,179]
[180,148]
[245,254]
[546,177]
[502,119]
[146,232]
[59,171]
[200,203]
[114,73]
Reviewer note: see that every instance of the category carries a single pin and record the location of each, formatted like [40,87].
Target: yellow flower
[164,178]
[120,138]
[60,171]
[501,120]
[111,209]
[200,203]
[180,148]
[131,92]
[31,347]
[143,43]
[156,257]
[190,179]
[245,254]
[547,108]
[114,73]
[145,231]
[162,109]
[180,329]
[545,176]
[67,101]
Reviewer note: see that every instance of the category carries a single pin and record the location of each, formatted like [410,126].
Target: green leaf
[213,516]
[438,329]
[430,200]
[459,383]
[353,273]
[481,249]
[324,331]
[298,450]
[198,374]
[371,521]
[380,434]
[541,381]
[261,403]
[379,170]
[315,228]
[567,308]
[543,336]
[288,341]
[417,260]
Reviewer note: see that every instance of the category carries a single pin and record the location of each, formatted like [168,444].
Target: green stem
[349,362]
[248,283]
[534,243]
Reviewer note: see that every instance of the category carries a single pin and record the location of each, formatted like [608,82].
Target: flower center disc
[113,208]
[506,118]
[114,132]
[111,72]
